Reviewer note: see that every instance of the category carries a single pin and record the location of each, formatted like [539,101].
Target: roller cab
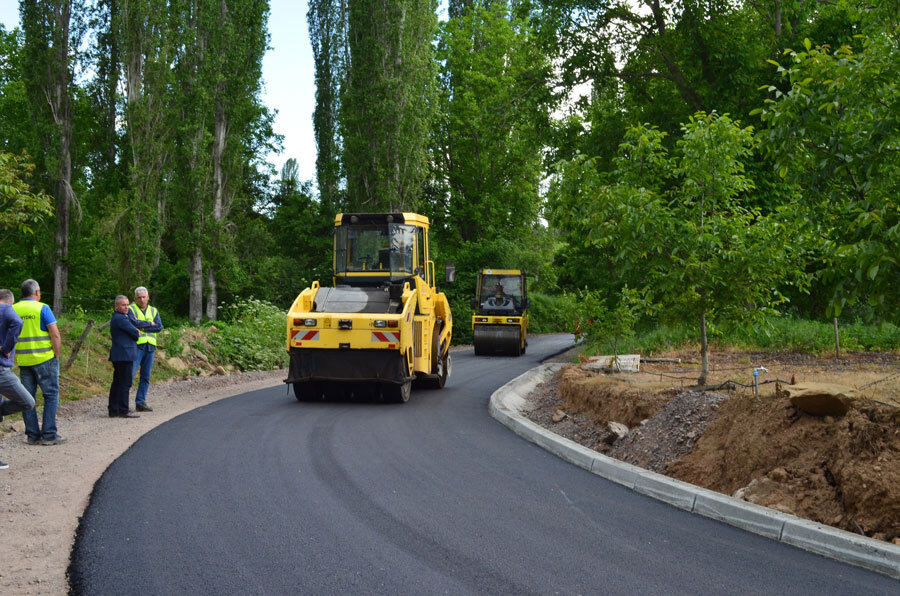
[500,322]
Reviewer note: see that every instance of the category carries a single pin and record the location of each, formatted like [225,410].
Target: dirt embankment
[843,471]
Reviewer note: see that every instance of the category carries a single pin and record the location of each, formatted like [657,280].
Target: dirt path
[46,488]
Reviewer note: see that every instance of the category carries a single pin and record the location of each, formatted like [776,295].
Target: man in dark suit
[122,354]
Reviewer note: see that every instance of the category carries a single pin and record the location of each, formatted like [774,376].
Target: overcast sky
[289,86]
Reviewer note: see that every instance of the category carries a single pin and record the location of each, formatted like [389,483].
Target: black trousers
[121,385]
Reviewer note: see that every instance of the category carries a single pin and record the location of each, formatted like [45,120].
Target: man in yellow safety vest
[37,355]
[146,319]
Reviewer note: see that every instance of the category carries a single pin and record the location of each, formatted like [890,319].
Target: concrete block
[843,546]
[674,492]
[613,469]
[754,518]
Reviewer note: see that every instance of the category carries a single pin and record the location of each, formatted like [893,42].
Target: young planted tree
[702,254]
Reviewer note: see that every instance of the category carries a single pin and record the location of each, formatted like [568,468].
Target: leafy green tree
[327,20]
[20,206]
[681,225]
[387,105]
[495,104]
[47,72]
[833,132]
[609,321]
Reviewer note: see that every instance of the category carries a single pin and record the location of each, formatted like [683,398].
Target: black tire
[439,378]
[439,369]
[307,391]
[398,394]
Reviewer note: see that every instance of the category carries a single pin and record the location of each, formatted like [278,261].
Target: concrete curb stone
[507,403]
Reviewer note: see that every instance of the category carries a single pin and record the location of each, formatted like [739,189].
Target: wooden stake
[837,340]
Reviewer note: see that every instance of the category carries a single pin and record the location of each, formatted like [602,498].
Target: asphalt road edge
[507,403]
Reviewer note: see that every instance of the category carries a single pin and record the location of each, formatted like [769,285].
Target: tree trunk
[218,211]
[195,303]
[62,116]
[212,298]
[704,351]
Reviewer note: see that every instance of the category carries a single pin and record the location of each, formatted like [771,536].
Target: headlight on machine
[304,322]
[511,321]
[380,323]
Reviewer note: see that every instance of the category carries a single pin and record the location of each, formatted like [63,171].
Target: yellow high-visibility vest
[34,346]
[146,337]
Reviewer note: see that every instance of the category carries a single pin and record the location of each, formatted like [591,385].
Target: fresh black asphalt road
[260,494]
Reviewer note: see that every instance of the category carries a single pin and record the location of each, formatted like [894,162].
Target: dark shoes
[55,441]
[143,408]
[129,415]
[3,465]
[32,441]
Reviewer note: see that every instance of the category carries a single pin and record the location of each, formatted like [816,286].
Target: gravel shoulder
[47,488]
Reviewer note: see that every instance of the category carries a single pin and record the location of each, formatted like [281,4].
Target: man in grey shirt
[10,385]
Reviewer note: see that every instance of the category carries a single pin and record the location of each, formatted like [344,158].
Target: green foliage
[20,207]
[552,313]
[608,321]
[251,335]
[680,223]
[494,104]
[387,105]
[833,130]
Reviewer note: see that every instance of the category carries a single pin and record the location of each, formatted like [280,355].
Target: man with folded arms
[122,354]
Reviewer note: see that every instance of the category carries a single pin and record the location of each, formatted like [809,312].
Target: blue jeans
[46,376]
[11,387]
[145,363]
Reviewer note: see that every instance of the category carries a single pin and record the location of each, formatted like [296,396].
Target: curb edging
[507,403]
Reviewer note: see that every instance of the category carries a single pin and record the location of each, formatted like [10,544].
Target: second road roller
[500,322]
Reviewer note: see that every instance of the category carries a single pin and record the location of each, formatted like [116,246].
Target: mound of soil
[843,472]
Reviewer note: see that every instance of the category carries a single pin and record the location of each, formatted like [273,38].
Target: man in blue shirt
[37,355]
[10,386]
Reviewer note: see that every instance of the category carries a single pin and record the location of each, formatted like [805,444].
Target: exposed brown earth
[839,470]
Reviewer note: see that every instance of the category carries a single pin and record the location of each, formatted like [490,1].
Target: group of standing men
[29,337]
[133,329]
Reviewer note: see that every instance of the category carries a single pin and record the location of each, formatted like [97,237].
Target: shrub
[251,335]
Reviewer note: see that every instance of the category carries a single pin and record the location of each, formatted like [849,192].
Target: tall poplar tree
[142,32]
[218,71]
[327,22]
[388,104]
[48,76]
[237,47]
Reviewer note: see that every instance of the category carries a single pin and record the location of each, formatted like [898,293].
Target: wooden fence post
[78,345]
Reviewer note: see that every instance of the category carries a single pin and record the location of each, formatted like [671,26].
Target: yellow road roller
[382,325]
[500,322]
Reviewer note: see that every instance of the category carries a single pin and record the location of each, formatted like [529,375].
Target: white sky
[288,76]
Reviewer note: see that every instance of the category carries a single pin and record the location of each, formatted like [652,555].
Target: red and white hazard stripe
[304,335]
[390,337]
